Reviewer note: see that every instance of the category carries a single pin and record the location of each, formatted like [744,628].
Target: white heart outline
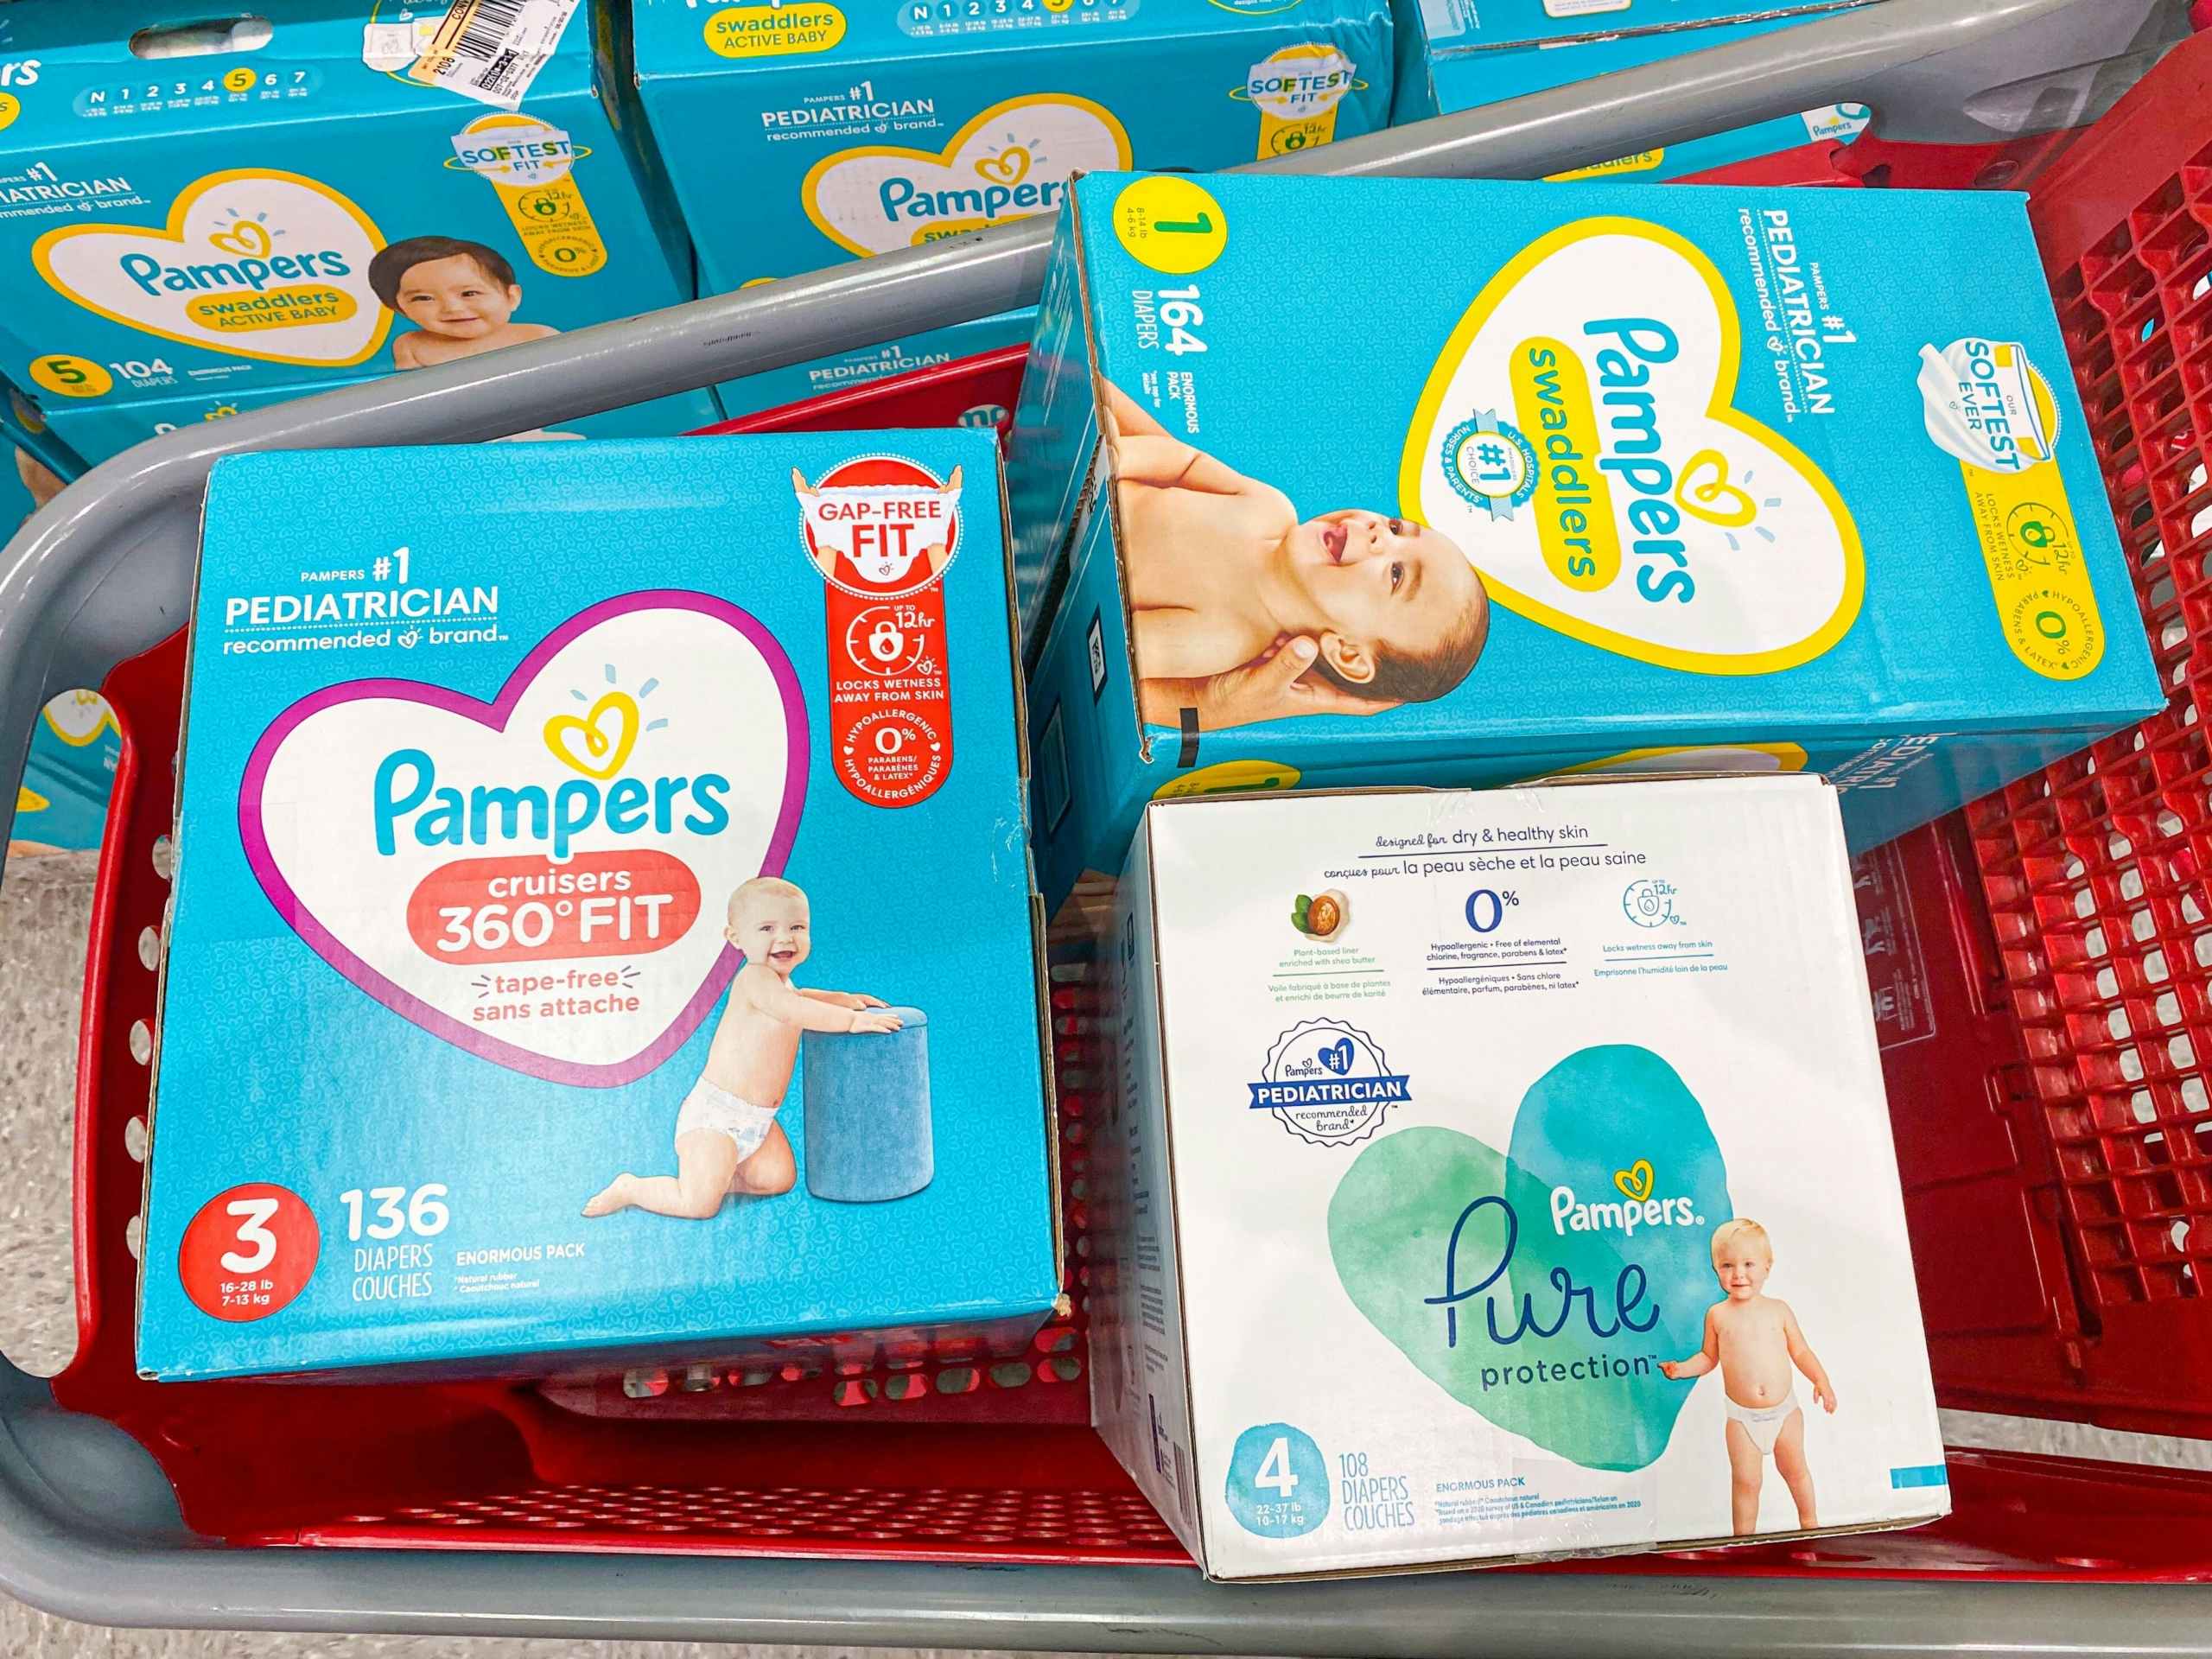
[173,234]
[496,713]
[1422,430]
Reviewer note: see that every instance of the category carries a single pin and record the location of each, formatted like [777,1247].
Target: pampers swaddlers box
[1499,1176]
[1580,476]
[859,131]
[576,958]
[322,190]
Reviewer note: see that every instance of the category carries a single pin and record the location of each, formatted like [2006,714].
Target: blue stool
[868,1112]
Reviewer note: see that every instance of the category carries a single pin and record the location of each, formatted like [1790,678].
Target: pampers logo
[1592,458]
[1011,161]
[407,791]
[252,262]
[1635,1208]
[247,259]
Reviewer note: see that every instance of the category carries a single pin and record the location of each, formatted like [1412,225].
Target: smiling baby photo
[1221,571]
[460,296]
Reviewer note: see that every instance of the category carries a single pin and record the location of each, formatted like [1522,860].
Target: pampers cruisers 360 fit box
[1502,1176]
[543,988]
[859,129]
[1594,476]
[314,191]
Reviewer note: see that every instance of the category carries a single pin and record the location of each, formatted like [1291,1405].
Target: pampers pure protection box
[857,130]
[544,987]
[321,190]
[1595,476]
[1501,1176]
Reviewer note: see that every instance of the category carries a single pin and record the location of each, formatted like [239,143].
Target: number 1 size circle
[1171,223]
[249,1253]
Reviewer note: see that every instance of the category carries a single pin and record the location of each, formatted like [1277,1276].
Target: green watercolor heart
[1423,1217]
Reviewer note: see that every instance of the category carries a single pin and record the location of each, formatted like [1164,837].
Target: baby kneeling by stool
[727,1137]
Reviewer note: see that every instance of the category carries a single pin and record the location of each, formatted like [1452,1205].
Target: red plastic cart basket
[2047,965]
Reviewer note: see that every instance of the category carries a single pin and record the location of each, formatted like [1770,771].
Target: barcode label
[491,50]
[484,27]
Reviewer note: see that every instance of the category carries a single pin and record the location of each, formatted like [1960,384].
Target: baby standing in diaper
[727,1136]
[1754,1340]
[1220,568]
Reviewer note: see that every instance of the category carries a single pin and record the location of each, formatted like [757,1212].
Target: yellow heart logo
[598,743]
[1635,1181]
[1596,470]
[875,198]
[1007,167]
[1703,491]
[212,279]
[246,238]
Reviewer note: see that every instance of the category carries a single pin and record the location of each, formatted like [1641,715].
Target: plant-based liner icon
[1322,915]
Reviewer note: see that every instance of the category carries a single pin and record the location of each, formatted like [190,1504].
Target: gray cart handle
[87,1525]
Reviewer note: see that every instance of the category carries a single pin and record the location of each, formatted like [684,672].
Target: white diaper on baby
[1764,1423]
[707,1107]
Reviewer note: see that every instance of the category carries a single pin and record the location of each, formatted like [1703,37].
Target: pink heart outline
[495,715]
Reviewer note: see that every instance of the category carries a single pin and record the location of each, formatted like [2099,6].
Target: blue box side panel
[1055,433]
[1092,782]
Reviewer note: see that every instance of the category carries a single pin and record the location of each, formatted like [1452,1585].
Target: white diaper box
[1439,1118]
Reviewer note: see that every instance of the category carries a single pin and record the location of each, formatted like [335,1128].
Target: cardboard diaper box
[199,216]
[542,987]
[856,131]
[1497,1177]
[1459,54]
[62,804]
[1584,477]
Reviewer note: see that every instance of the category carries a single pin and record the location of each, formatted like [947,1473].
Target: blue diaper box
[1456,54]
[1582,477]
[301,193]
[856,131]
[581,960]
[62,804]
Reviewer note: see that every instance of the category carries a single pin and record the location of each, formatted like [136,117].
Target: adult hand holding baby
[1272,686]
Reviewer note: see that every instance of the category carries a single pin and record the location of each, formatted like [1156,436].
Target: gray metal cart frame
[88,1527]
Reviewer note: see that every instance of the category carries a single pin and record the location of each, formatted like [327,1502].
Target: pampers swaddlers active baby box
[315,194]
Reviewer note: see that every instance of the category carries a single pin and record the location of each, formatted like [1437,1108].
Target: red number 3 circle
[249,1252]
